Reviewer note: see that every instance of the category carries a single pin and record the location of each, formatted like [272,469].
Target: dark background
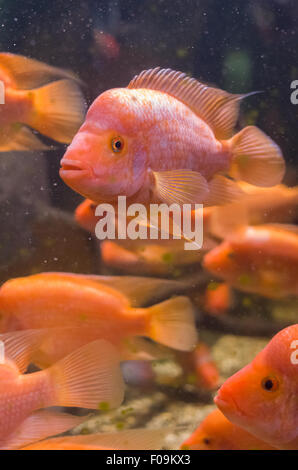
[238,45]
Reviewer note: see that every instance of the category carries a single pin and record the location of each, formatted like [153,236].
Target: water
[237,46]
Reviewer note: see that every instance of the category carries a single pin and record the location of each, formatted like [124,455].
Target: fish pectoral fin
[19,346]
[40,425]
[223,191]
[58,110]
[256,158]
[180,186]
[89,377]
[27,73]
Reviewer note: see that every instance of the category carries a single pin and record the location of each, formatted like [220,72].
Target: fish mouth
[72,168]
[228,406]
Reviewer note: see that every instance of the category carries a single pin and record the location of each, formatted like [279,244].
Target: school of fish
[165,138]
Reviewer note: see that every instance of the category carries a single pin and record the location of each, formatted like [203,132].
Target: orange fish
[86,378]
[131,439]
[167,137]
[93,307]
[201,366]
[262,398]
[160,259]
[218,298]
[217,433]
[278,204]
[55,109]
[261,260]
[85,215]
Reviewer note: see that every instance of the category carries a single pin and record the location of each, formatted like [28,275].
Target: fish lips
[72,169]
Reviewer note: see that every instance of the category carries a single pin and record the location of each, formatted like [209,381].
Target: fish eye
[206,441]
[117,144]
[270,384]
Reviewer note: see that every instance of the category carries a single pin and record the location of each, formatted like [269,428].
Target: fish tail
[172,323]
[58,110]
[256,159]
[89,377]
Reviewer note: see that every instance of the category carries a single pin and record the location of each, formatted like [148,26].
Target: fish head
[85,215]
[223,261]
[108,155]
[212,434]
[262,397]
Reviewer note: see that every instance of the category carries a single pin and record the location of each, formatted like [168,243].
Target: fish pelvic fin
[89,377]
[58,110]
[39,425]
[256,159]
[172,323]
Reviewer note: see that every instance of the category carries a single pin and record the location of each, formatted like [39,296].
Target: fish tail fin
[58,110]
[172,323]
[256,159]
[89,377]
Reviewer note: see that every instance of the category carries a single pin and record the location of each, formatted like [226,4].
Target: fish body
[200,367]
[262,398]
[260,259]
[85,308]
[216,432]
[130,439]
[218,299]
[85,378]
[167,138]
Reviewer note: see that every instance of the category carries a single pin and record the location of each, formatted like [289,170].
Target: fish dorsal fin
[19,346]
[142,291]
[26,73]
[218,108]
[290,228]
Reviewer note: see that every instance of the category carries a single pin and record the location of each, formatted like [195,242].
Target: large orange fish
[93,307]
[55,109]
[260,259]
[263,396]
[167,137]
[86,378]
[216,432]
[131,439]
